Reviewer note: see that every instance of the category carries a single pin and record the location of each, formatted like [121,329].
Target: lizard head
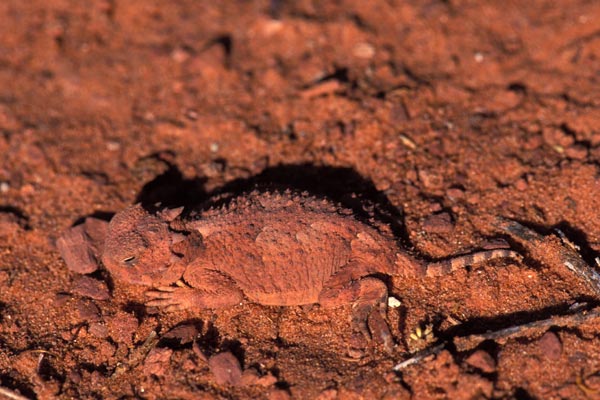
[141,248]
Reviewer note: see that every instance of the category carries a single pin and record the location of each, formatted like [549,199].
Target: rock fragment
[225,368]
[483,361]
[550,346]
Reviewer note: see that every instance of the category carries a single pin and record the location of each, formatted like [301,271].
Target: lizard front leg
[204,288]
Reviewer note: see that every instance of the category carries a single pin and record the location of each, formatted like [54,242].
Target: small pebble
[321,89]
[438,223]
[96,229]
[482,361]
[75,248]
[364,50]
[98,330]
[87,310]
[113,146]
[521,185]
[576,152]
[267,380]
[74,377]
[90,287]
[278,394]
[251,377]
[157,361]
[185,333]
[550,346]
[495,243]
[122,327]
[9,224]
[435,207]
[328,394]
[393,302]
[61,299]
[455,194]
[226,369]
[430,180]
[180,55]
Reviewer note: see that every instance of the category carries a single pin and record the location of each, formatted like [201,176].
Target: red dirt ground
[446,114]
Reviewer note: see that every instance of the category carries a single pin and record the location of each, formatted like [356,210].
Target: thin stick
[419,356]
[137,355]
[569,252]
[464,343]
[9,394]
[471,341]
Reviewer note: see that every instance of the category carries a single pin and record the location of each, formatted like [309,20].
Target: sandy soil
[443,114]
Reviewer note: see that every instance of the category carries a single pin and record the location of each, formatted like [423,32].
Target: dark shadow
[563,228]
[137,309]
[522,394]
[579,238]
[492,348]
[274,9]
[89,367]
[340,185]
[476,326]
[103,215]
[226,42]
[23,389]
[210,341]
[17,215]
[171,189]
[48,372]
[234,347]
[182,335]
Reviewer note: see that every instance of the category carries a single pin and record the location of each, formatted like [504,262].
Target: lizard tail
[450,265]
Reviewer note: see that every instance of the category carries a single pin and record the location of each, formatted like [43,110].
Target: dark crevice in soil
[15,214]
[183,334]
[490,347]
[522,394]
[339,74]
[171,189]
[89,367]
[137,309]
[48,373]
[485,324]
[100,178]
[210,341]
[25,390]
[226,42]
[234,347]
[572,234]
[102,215]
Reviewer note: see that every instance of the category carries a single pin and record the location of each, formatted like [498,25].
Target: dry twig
[465,343]
[11,395]
[137,355]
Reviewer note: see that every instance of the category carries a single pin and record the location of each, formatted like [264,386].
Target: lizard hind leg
[455,263]
[369,304]
[369,311]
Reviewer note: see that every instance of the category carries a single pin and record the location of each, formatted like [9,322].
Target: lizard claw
[369,313]
[171,298]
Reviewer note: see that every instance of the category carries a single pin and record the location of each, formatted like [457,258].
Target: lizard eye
[129,260]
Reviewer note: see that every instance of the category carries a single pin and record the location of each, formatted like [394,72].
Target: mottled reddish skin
[271,248]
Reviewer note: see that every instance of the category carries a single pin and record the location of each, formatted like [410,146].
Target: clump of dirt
[435,118]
